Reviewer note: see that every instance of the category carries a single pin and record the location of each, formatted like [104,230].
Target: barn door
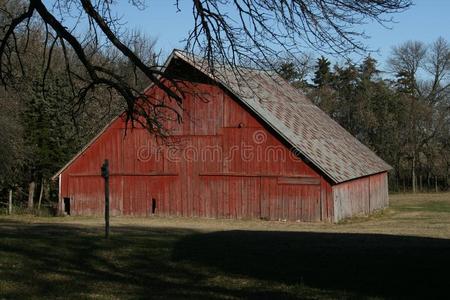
[286,198]
[301,202]
[148,195]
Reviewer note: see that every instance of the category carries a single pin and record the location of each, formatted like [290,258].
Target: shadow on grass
[71,262]
[50,261]
[361,264]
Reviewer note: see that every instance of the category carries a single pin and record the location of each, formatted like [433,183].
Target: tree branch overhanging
[227,32]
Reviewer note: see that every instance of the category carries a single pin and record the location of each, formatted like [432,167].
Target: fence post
[105,175]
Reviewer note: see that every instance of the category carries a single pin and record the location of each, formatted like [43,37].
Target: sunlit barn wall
[360,196]
[270,184]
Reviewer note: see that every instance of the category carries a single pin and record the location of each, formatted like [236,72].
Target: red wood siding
[220,163]
[360,196]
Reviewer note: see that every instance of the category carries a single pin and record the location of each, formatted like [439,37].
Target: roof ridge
[331,158]
[308,130]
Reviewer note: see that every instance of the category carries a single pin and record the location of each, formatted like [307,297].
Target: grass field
[403,252]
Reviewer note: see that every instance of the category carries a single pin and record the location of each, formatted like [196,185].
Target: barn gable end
[205,170]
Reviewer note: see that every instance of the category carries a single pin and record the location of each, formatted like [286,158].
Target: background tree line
[61,85]
[402,113]
[43,124]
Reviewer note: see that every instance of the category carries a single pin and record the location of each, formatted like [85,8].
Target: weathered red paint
[231,186]
[186,179]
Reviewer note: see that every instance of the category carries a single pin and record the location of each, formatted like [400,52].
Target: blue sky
[425,21]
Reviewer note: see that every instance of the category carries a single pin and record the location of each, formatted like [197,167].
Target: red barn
[254,148]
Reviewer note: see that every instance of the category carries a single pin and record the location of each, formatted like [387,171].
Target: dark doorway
[153,208]
[67,206]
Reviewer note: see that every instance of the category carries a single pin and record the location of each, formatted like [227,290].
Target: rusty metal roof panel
[306,127]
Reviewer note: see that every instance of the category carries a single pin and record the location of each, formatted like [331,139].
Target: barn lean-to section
[360,196]
[272,156]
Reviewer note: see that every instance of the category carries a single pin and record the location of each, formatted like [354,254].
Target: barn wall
[360,196]
[219,163]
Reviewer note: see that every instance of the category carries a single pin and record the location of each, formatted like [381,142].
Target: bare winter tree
[230,32]
[423,73]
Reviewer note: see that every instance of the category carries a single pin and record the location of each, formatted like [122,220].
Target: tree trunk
[397,184]
[397,174]
[435,184]
[31,189]
[413,174]
[447,178]
[420,183]
[40,194]
[10,202]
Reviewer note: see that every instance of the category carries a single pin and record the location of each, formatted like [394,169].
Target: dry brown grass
[400,252]
[423,214]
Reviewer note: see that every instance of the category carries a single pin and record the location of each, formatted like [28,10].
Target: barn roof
[308,129]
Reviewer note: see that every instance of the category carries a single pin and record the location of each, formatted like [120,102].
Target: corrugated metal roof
[306,127]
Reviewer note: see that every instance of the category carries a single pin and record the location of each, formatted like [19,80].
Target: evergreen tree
[322,75]
[287,71]
[368,69]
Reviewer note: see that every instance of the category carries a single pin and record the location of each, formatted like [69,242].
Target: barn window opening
[153,206]
[67,206]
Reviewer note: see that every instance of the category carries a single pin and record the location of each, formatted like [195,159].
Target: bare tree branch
[226,32]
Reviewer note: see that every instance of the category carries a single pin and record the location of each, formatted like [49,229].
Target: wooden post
[10,202]
[105,175]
